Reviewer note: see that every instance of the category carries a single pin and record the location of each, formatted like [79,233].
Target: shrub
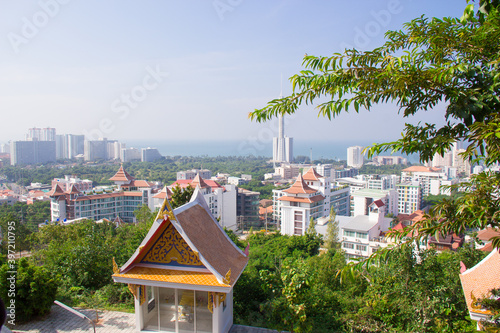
[35,289]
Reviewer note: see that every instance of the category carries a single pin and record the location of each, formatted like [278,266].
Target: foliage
[144,214]
[234,238]
[430,61]
[414,292]
[82,253]
[492,304]
[181,196]
[35,289]
[331,241]
[311,229]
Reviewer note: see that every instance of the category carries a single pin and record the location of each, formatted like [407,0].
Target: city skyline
[178,71]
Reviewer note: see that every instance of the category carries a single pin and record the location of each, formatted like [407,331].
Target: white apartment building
[423,176]
[389,160]
[191,174]
[355,156]
[296,205]
[220,199]
[409,197]
[362,199]
[361,235]
[282,145]
[312,195]
[150,154]
[130,154]
[287,171]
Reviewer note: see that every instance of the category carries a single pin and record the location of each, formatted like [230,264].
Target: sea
[335,150]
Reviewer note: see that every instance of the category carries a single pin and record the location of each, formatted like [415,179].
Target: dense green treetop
[450,60]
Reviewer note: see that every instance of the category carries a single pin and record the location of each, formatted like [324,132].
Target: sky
[160,70]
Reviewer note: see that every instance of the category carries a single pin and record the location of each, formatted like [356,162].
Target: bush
[35,289]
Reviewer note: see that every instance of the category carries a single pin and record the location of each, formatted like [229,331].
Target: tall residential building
[409,197]
[130,154]
[463,166]
[247,209]
[32,152]
[423,176]
[297,205]
[150,155]
[282,145]
[69,145]
[41,134]
[102,149]
[389,160]
[355,156]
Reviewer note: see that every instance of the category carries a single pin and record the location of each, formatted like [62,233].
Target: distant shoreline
[320,149]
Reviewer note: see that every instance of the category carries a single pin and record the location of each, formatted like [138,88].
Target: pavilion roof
[300,187]
[177,250]
[121,176]
[312,175]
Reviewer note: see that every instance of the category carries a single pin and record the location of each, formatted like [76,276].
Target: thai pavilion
[183,273]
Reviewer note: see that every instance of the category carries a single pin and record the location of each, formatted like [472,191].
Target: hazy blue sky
[164,70]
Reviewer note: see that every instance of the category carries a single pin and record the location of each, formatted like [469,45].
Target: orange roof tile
[164,193]
[487,234]
[188,182]
[315,198]
[480,279]
[138,183]
[121,176]
[312,175]
[171,276]
[300,187]
[198,181]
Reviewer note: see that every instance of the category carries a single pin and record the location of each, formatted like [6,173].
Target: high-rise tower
[282,145]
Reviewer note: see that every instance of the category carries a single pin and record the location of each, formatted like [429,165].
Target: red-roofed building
[312,195]
[297,205]
[72,204]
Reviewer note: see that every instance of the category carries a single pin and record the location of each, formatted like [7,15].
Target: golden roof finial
[116,270]
[227,278]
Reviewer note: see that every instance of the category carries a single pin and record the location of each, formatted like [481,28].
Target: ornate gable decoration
[166,210]
[171,248]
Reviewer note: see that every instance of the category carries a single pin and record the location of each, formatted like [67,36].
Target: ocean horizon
[319,149]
